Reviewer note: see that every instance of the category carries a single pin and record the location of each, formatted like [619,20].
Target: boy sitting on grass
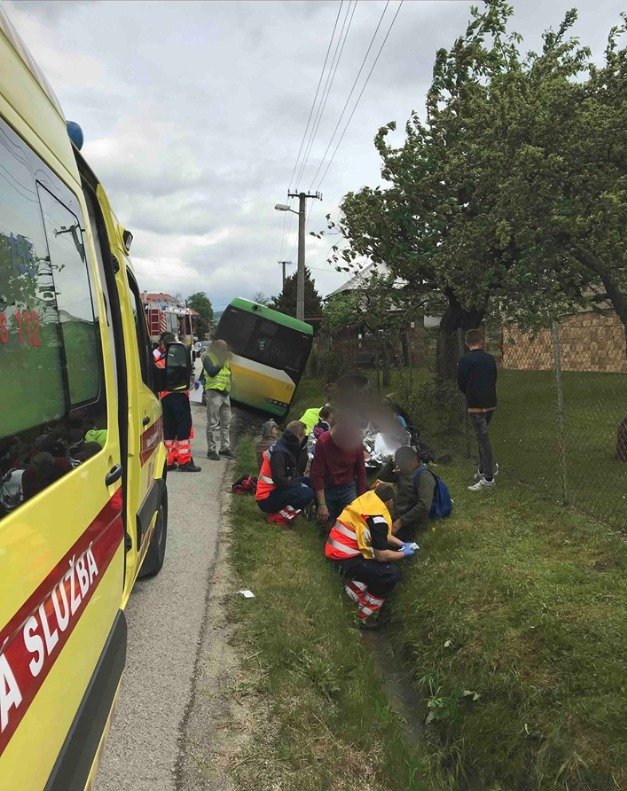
[415,486]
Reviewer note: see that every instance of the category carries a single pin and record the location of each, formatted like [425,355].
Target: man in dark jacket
[476,377]
[280,486]
[415,486]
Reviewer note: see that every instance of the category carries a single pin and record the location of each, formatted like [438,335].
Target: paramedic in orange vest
[366,552]
[281,488]
[177,417]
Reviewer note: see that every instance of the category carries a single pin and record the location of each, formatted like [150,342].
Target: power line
[337,55]
[361,93]
[352,90]
[324,66]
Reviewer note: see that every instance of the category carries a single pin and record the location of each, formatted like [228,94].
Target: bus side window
[143,339]
[54,411]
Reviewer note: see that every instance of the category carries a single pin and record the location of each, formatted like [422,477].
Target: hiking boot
[189,467]
[172,467]
[482,484]
[227,453]
[213,456]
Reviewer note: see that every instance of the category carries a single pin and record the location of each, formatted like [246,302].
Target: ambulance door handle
[146,420]
[114,474]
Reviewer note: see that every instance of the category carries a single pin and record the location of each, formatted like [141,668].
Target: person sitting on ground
[326,419]
[280,489]
[338,470]
[310,417]
[415,487]
[362,545]
[269,435]
[397,411]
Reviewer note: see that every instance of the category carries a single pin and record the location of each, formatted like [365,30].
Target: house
[360,348]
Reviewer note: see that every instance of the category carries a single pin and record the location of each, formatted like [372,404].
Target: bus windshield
[263,341]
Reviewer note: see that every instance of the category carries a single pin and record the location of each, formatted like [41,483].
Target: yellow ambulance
[83,498]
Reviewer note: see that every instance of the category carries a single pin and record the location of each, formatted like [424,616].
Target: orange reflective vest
[159,358]
[265,484]
[350,535]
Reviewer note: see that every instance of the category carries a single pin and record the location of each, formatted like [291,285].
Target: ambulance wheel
[156,551]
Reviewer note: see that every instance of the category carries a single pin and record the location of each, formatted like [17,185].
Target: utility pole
[284,264]
[300,273]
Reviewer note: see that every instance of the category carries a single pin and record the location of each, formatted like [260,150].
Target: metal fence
[561,423]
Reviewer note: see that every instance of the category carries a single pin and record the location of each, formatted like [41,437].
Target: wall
[589,342]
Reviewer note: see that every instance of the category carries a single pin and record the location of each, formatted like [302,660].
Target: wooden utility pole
[284,264]
[300,273]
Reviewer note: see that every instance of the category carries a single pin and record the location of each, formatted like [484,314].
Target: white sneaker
[482,484]
[479,475]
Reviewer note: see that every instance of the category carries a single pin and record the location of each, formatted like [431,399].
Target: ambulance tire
[156,551]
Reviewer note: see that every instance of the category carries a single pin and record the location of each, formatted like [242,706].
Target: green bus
[270,352]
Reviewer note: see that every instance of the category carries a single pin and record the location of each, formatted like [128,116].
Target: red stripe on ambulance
[34,637]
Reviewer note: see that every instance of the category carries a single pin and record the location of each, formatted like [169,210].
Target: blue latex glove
[407,550]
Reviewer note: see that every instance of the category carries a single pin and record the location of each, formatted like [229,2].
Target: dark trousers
[480,422]
[177,416]
[298,496]
[378,577]
[338,497]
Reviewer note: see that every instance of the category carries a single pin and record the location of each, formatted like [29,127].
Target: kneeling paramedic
[366,552]
[281,489]
[177,417]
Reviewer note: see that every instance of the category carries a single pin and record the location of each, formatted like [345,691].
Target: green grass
[513,616]
[328,724]
[526,442]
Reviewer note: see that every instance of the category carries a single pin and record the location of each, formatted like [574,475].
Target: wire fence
[561,422]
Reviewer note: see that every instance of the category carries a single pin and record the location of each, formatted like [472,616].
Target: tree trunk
[447,348]
[613,287]
[385,364]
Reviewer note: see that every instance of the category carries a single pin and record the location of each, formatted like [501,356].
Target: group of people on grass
[318,465]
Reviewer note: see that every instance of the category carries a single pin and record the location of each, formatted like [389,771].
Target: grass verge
[514,617]
[327,724]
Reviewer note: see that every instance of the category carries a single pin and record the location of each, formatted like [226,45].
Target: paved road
[165,618]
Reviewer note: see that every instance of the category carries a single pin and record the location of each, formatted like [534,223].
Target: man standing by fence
[476,378]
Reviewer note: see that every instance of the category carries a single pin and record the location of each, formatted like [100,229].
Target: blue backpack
[442,504]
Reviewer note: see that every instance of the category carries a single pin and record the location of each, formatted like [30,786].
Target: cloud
[193,115]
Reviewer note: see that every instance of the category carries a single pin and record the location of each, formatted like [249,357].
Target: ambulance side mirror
[178,367]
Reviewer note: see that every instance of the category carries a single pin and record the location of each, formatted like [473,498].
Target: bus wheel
[156,551]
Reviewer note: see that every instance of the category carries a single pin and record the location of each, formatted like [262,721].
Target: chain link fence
[561,423]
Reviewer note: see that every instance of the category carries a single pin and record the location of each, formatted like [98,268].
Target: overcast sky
[193,113]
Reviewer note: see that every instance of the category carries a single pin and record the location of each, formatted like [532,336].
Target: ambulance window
[143,339]
[81,342]
[53,414]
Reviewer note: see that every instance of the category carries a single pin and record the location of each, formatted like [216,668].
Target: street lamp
[284,207]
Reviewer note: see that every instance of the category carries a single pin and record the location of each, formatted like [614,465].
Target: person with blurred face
[217,377]
[338,470]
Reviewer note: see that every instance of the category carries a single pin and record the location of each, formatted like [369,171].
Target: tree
[286,301]
[201,303]
[260,298]
[510,195]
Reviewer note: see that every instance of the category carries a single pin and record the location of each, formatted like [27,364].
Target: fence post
[559,393]
[460,348]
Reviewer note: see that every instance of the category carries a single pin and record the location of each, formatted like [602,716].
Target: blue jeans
[298,496]
[338,497]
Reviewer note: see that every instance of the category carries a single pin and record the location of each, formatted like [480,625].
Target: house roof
[360,280]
